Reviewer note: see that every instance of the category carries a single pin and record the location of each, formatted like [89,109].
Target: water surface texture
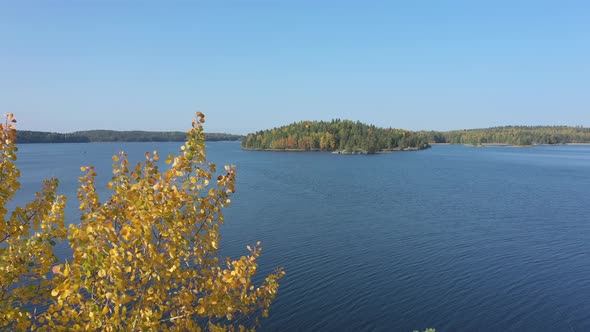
[458,238]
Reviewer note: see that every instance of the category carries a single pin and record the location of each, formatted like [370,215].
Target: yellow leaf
[125,233]
[56,269]
[214,244]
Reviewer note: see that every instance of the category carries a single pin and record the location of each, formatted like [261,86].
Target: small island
[336,136]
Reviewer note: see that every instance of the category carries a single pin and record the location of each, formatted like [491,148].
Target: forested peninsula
[511,135]
[27,136]
[339,136]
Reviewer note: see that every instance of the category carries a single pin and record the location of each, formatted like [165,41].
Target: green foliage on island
[343,136]
[511,135]
[25,136]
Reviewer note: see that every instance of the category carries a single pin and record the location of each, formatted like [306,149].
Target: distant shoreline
[284,150]
[334,151]
[95,142]
[509,145]
[94,136]
[413,149]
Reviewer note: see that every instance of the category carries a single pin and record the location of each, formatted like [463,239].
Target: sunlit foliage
[146,259]
[27,235]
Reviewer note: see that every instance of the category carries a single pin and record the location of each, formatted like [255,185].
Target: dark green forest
[26,136]
[343,136]
[511,135]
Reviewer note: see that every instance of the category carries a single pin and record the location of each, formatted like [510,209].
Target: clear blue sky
[248,65]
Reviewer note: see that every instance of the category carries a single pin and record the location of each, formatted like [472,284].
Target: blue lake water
[454,237]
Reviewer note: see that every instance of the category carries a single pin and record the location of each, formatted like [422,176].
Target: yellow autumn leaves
[143,260]
[27,235]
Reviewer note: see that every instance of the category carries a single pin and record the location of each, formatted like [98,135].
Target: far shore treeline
[26,136]
[511,135]
[345,136]
[339,136]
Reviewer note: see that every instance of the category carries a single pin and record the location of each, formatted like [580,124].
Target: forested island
[511,135]
[27,136]
[339,136]
[349,137]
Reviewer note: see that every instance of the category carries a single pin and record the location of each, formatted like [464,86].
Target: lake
[453,237]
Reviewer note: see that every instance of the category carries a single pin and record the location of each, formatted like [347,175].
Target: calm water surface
[458,238]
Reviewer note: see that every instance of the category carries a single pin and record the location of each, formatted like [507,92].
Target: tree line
[335,135]
[27,136]
[511,135]
[346,136]
[343,136]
